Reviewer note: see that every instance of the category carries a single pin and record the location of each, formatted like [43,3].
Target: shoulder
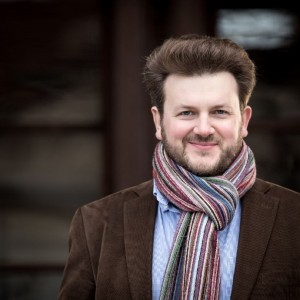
[93,217]
[274,190]
[264,193]
[115,201]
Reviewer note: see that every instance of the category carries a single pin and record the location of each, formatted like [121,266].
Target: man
[205,227]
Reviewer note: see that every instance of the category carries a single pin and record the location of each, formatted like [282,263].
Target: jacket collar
[139,222]
[258,217]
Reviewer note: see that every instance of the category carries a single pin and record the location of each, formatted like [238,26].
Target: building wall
[74,118]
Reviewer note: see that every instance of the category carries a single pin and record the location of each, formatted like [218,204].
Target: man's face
[202,127]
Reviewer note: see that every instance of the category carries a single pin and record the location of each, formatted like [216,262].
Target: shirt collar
[164,204]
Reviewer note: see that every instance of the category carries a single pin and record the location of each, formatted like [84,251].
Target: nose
[204,127]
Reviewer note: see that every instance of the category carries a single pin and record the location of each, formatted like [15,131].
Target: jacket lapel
[258,216]
[139,220]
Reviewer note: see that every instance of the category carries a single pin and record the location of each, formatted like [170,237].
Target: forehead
[217,87]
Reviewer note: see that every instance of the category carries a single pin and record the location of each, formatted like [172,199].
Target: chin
[204,170]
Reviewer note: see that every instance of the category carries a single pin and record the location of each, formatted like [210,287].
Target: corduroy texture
[207,205]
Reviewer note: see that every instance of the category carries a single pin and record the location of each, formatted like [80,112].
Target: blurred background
[75,122]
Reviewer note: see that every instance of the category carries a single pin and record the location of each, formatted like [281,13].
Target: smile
[203,145]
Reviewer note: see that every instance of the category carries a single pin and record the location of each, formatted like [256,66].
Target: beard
[203,169]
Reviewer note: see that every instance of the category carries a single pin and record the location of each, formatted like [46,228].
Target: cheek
[176,131]
[229,131]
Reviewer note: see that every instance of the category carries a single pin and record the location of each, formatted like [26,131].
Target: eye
[186,113]
[221,112]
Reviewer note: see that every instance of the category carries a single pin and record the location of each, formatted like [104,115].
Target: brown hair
[196,55]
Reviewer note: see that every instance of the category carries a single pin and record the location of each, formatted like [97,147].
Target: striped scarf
[207,205]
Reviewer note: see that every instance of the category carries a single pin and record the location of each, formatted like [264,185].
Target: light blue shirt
[165,226]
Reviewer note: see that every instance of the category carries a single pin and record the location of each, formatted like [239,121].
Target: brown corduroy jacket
[111,243]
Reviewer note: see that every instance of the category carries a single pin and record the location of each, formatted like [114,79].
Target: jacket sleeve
[78,281]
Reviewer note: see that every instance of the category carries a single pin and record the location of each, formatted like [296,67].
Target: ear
[246,116]
[157,122]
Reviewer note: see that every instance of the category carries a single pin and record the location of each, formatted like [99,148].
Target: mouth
[203,145]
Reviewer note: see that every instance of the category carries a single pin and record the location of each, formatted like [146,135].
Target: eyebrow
[222,106]
[189,107]
[183,106]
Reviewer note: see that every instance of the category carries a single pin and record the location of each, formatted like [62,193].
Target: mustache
[201,139]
